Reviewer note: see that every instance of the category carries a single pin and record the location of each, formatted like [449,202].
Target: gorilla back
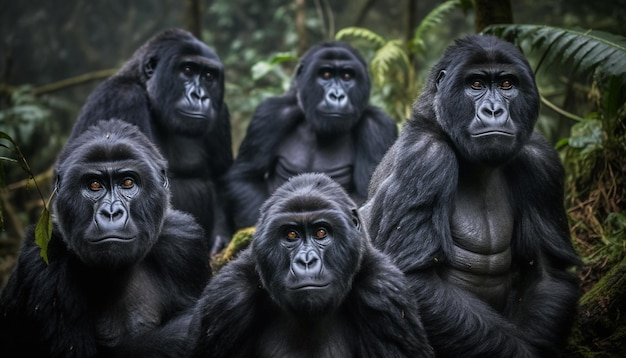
[172,88]
[123,266]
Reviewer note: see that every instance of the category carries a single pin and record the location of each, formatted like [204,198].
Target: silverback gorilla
[324,123]
[124,267]
[310,285]
[469,204]
[172,88]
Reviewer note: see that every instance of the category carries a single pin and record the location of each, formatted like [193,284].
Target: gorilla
[469,204]
[322,124]
[172,88]
[124,268]
[309,285]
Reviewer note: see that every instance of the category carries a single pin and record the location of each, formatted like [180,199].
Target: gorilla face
[332,87]
[308,247]
[111,195]
[486,100]
[185,84]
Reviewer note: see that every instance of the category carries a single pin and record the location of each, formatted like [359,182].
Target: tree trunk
[490,12]
[301,27]
[193,17]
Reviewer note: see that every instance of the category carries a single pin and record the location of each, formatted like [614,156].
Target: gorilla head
[485,98]
[112,193]
[332,87]
[175,62]
[309,245]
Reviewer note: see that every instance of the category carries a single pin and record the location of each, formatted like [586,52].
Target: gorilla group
[469,204]
[310,285]
[172,88]
[461,247]
[324,124]
[124,267]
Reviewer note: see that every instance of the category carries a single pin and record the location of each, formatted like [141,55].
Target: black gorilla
[124,267]
[469,203]
[322,124]
[172,88]
[310,285]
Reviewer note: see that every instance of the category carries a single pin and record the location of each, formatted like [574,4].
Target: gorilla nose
[336,97]
[111,215]
[492,113]
[307,262]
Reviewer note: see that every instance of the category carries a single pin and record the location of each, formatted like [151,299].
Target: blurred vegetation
[53,54]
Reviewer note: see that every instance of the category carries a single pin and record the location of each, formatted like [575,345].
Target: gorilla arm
[548,293]
[374,135]
[247,188]
[379,300]
[225,328]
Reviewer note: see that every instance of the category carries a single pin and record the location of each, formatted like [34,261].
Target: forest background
[53,54]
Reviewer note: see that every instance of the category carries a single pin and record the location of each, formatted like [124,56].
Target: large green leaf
[584,50]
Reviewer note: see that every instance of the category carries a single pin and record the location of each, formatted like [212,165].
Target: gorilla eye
[95,185]
[346,76]
[291,234]
[187,70]
[477,85]
[128,183]
[321,233]
[506,84]
[326,75]
[209,76]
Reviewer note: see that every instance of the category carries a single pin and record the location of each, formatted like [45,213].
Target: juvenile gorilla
[172,88]
[324,124]
[124,268]
[469,204]
[310,285]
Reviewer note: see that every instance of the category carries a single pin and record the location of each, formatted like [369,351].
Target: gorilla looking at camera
[323,124]
[172,88]
[469,204]
[310,285]
[124,267]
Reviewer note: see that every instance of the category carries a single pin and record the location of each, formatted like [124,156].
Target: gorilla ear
[355,219]
[148,68]
[440,77]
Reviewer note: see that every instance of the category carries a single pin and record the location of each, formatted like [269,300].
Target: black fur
[290,134]
[254,307]
[442,198]
[148,92]
[121,298]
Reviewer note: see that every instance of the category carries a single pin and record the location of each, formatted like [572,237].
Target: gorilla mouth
[310,286]
[193,115]
[493,132]
[112,239]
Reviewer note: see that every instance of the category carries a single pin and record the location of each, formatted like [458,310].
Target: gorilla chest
[303,151]
[131,309]
[481,224]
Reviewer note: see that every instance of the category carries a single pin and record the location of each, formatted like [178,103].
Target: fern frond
[382,66]
[361,33]
[585,50]
[433,19]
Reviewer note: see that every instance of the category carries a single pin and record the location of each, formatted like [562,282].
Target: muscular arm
[547,293]
[223,323]
[246,179]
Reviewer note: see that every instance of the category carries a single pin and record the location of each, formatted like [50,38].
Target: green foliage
[433,20]
[43,230]
[392,65]
[582,50]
